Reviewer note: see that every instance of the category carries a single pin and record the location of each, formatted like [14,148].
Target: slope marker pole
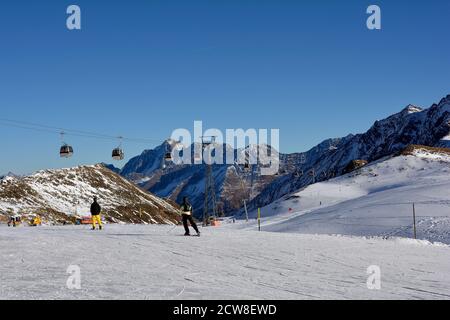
[414,220]
[259,219]
[246,212]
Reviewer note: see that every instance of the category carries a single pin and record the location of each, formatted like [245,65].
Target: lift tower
[210,192]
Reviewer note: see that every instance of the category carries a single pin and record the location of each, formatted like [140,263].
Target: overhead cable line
[69,132]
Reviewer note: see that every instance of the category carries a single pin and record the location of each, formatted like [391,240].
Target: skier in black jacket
[95,212]
[186,215]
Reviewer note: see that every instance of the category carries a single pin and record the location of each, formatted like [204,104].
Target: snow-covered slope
[376,200]
[59,195]
[155,262]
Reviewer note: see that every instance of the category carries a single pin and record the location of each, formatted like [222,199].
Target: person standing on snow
[95,212]
[186,215]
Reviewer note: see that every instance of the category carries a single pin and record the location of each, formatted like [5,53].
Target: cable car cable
[69,132]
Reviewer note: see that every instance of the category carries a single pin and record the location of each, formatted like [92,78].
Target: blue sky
[143,68]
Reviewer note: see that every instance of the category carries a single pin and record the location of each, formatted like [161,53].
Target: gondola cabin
[66,151]
[118,154]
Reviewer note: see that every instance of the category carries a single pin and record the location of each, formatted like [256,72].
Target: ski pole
[172,229]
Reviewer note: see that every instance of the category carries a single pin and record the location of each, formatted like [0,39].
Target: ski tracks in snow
[148,262]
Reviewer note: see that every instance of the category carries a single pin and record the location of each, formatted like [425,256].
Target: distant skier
[14,221]
[95,212]
[186,209]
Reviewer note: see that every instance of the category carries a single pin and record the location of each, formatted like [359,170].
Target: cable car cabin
[66,151]
[118,154]
[168,156]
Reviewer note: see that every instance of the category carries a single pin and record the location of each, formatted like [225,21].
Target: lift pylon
[210,192]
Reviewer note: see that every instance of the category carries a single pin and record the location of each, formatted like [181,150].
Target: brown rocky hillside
[61,195]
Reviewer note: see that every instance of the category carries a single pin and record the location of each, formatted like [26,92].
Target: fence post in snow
[259,219]
[414,220]
[246,212]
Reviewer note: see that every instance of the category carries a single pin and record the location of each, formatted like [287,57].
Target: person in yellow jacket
[95,213]
[36,221]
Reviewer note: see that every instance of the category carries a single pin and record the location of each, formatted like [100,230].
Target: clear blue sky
[144,68]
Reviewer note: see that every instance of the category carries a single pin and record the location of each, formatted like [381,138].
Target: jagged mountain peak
[411,109]
[445,100]
[9,175]
[111,167]
[399,117]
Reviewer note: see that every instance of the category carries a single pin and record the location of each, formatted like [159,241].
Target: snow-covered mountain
[140,168]
[60,195]
[375,200]
[9,175]
[167,180]
[412,125]
[430,127]
[111,167]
